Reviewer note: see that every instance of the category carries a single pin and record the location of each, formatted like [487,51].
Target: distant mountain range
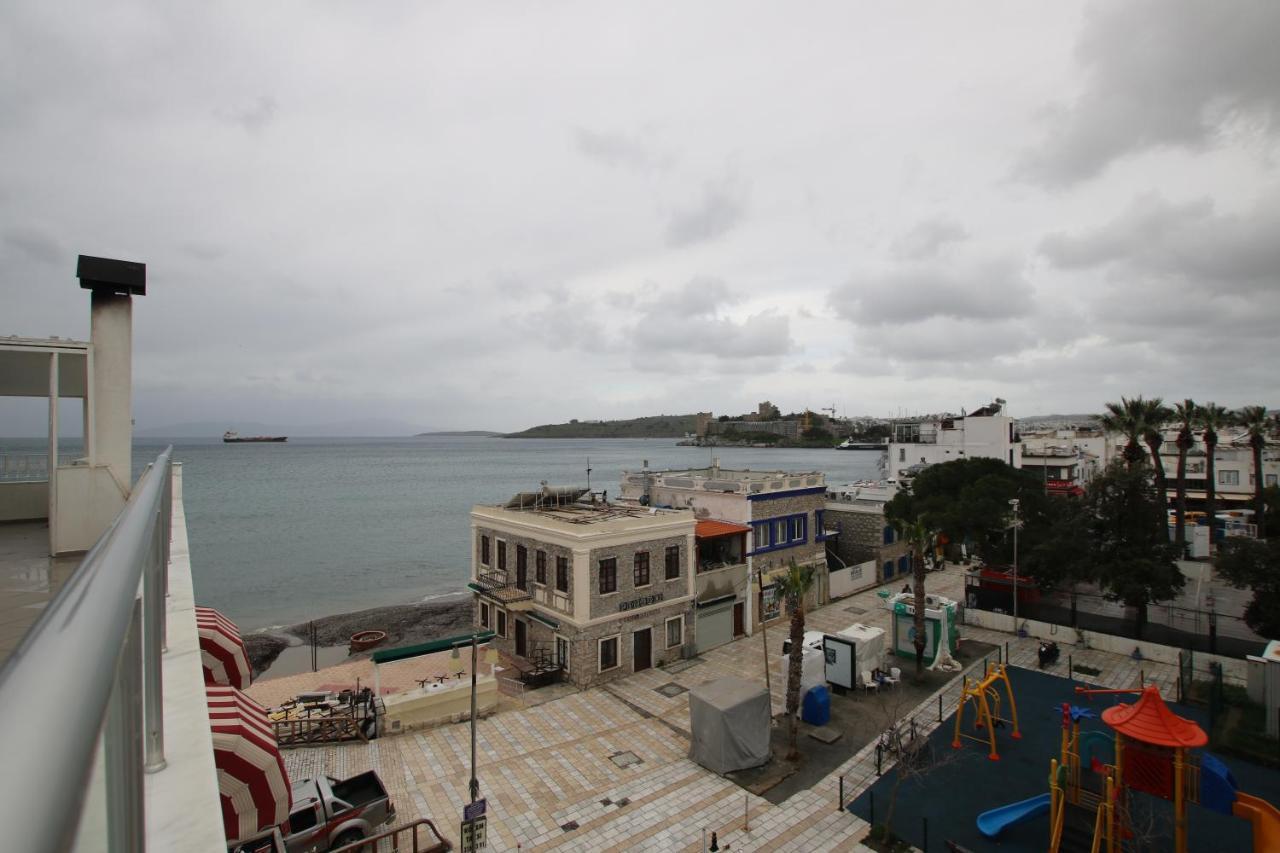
[365,428]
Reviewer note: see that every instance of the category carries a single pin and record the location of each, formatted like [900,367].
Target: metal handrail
[81,674]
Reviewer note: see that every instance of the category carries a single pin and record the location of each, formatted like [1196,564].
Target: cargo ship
[233,437]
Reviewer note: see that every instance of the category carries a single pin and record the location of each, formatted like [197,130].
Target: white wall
[1233,670]
[853,579]
[24,501]
[89,499]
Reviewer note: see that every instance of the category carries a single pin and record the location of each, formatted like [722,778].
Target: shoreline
[405,624]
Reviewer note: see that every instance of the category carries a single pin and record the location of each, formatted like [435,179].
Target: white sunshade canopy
[24,367]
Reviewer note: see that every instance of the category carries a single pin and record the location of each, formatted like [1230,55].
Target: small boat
[850,444]
[233,437]
[363,640]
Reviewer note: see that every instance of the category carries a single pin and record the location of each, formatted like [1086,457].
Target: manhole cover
[671,689]
[625,759]
[855,610]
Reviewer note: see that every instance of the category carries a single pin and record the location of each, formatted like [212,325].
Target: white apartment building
[987,433]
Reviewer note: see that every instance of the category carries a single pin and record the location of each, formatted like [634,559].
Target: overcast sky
[496,215]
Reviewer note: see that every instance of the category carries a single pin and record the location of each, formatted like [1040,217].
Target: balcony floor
[29,578]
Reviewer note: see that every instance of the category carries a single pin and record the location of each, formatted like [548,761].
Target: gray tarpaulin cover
[729,719]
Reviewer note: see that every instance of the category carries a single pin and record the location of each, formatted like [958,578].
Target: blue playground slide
[992,823]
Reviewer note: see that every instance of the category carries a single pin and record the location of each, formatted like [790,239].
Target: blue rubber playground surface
[952,796]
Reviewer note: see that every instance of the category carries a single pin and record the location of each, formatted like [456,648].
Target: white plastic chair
[869,683]
[895,675]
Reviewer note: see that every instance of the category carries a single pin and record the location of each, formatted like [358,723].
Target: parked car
[327,814]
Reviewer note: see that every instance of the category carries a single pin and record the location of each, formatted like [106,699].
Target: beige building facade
[594,591]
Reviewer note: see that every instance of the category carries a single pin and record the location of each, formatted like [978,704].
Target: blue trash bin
[816,707]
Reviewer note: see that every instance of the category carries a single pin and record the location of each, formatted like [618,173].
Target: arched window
[888,569]
[888,535]
[904,564]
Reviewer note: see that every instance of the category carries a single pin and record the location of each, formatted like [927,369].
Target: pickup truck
[327,814]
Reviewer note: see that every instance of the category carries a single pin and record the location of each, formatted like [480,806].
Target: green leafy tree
[921,539]
[794,586]
[968,501]
[1212,418]
[1063,558]
[1250,564]
[1186,413]
[1259,426]
[1132,557]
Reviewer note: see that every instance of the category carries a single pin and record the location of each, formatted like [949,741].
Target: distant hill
[656,426]
[481,433]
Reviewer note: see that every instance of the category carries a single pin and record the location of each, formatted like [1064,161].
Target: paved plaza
[614,759]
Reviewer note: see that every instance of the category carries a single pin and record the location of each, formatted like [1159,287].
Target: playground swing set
[985,696]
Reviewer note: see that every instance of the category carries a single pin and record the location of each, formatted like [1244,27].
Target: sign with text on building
[474,835]
[642,601]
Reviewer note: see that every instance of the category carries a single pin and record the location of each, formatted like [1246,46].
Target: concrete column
[52,462]
[111,331]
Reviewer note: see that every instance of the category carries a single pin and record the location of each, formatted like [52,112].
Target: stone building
[751,525]
[594,589]
[866,550]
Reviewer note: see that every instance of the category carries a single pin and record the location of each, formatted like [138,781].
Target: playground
[1012,791]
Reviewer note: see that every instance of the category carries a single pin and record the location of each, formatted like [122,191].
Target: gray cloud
[723,205]
[254,117]
[1160,73]
[689,320]
[926,239]
[620,150]
[989,290]
[1188,241]
[34,244]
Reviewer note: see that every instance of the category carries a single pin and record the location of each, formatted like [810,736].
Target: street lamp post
[1013,502]
[475,783]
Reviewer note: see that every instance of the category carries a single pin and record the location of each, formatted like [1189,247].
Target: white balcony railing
[101,636]
[24,467]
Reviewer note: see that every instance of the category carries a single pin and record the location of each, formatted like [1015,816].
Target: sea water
[281,533]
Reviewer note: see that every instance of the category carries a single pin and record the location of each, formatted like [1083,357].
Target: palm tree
[1212,418]
[1128,417]
[1187,414]
[1258,425]
[794,586]
[920,538]
[1155,414]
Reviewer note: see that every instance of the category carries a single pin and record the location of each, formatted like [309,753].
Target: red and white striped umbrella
[252,782]
[222,651]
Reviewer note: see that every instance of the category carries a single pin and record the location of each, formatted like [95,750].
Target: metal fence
[1090,611]
[87,674]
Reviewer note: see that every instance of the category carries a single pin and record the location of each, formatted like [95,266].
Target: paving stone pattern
[551,765]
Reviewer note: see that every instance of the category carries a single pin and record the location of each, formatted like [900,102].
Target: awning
[710,602]
[222,653]
[712,529]
[252,782]
[550,623]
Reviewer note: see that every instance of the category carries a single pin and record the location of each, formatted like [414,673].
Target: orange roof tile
[1150,720]
[711,528]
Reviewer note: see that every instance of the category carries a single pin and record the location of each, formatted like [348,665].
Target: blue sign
[471,811]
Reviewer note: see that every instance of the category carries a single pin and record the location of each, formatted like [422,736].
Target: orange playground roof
[1149,720]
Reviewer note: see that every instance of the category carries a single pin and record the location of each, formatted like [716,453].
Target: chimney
[113,284]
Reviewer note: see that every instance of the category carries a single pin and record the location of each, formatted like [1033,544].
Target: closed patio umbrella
[222,653]
[252,782]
